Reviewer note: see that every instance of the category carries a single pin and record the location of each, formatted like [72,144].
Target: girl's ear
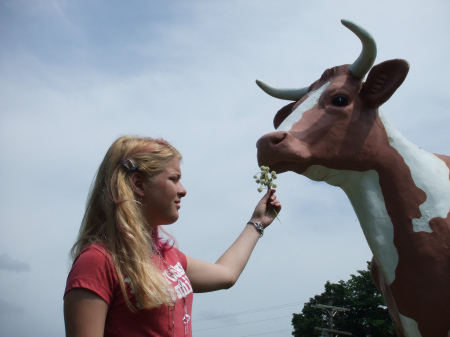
[137,184]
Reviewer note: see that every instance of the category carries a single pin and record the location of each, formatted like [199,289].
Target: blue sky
[74,76]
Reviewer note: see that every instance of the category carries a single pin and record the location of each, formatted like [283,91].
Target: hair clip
[129,164]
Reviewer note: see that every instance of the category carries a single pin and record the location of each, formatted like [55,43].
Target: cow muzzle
[282,152]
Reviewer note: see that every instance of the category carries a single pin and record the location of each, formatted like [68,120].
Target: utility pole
[331,312]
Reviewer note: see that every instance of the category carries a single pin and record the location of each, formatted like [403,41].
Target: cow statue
[333,131]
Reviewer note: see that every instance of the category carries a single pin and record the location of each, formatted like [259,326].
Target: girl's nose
[182,191]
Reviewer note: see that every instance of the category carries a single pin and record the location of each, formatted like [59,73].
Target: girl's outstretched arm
[223,274]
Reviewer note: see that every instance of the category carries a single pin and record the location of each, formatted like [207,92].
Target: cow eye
[340,101]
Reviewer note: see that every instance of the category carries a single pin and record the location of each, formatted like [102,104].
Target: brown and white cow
[334,132]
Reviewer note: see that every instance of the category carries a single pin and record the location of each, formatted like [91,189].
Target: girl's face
[162,195]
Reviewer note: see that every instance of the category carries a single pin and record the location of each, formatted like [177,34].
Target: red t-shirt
[93,270]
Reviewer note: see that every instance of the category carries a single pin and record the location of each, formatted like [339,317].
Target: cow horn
[282,93]
[366,59]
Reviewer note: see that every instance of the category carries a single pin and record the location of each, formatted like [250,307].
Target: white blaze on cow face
[308,104]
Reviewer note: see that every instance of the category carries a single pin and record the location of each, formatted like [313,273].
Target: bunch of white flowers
[265,179]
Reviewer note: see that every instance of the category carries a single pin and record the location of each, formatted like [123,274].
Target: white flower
[265,179]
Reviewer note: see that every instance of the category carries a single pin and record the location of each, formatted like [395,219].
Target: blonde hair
[114,218]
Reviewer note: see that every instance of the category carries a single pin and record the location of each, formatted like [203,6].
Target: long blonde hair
[114,218]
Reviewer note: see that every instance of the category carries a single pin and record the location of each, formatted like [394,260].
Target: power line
[256,310]
[226,326]
[249,311]
[265,333]
[341,320]
[346,320]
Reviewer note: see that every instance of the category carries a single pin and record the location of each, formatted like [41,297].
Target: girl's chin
[169,220]
[172,220]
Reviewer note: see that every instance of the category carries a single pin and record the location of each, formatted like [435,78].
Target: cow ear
[383,80]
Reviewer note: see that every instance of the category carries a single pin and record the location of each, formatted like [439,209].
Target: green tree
[367,314]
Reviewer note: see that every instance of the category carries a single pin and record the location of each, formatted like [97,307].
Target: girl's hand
[267,209]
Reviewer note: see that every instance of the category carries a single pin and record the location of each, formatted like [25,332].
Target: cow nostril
[270,140]
[278,137]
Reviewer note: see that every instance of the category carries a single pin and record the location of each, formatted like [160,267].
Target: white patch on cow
[429,173]
[410,327]
[309,103]
[364,191]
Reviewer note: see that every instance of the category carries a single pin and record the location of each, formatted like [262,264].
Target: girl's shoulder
[93,269]
[94,254]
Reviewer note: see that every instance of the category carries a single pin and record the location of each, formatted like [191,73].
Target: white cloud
[10,264]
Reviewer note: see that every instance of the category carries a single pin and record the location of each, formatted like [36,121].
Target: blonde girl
[126,280]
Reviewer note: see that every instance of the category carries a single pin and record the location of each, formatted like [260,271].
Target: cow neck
[430,175]
[364,192]
[390,200]
[421,239]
